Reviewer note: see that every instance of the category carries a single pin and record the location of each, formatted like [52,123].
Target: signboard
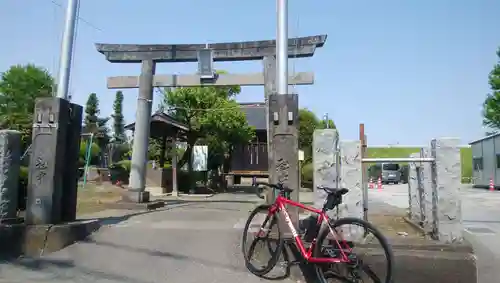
[200,156]
[301,155]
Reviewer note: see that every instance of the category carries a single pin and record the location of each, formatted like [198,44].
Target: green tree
[118,119]
[323,123]
[491,105]
[20,86]
[95,124]
[308,122]
[213,118]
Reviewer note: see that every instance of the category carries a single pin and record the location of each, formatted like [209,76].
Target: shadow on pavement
[156,253]
[55,268]
[112,220]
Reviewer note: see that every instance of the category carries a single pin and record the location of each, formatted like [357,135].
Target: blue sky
[410,70]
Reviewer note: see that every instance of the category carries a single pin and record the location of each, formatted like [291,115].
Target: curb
[415,226]
[36,240]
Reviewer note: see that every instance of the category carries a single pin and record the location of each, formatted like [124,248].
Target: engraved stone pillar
[351,178]
[325,153]
[412,189]
[70,175]
[426,183]
[10,156]
[446,180]
[48,161]
[283,112]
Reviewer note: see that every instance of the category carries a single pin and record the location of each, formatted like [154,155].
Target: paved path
[481,218]
[199,242]
[192,242]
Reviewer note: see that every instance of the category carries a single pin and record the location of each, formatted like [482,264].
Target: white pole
[67,49]
[282,47]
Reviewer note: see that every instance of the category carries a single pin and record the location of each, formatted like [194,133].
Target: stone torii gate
[149,55]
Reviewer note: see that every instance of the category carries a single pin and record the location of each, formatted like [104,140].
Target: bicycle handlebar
[259,190]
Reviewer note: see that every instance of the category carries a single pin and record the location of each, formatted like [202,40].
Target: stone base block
[136,196]
[35,240]
[414,262]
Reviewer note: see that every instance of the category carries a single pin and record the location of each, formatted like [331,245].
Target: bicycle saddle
[334,191]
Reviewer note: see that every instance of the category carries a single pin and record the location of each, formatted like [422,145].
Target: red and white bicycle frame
[279,205]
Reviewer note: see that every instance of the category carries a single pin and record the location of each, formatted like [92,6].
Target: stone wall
[414,204]
[351,171]
[446,182]
[434,190]
[325,165]
[339,163]
[420,191]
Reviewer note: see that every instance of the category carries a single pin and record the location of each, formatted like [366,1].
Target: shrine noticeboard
[200,157]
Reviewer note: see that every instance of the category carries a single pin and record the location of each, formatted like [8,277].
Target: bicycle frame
[279,205]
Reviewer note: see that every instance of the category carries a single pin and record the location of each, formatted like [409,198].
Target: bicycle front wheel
[268,243]
[355,237]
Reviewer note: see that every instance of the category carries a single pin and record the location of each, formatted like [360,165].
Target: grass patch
[94,198]
[466,161]
[389,152]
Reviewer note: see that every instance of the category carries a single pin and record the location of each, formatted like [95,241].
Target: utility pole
[57,123]
[284,108]
[67,49]
[282,47]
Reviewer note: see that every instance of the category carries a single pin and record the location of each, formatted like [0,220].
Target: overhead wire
[55,56]
[88,23]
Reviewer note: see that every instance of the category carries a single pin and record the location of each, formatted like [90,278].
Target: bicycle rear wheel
[268,243]
[360,268]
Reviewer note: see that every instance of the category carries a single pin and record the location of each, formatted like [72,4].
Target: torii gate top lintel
[299,47]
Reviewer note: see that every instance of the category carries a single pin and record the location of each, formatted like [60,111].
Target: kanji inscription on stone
[41,167]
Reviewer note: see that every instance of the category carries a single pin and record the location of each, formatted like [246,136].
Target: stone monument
[53,172]
[10,158]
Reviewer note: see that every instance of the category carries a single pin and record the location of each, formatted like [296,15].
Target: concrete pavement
[199,241]
[481,218]
[186,242]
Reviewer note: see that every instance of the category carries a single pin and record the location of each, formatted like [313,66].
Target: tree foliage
[308,122]
[118,119]
[213,117]
[20,86]
[93,123]
[491,105]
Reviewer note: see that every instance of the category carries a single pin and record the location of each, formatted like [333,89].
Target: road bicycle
[336,258]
